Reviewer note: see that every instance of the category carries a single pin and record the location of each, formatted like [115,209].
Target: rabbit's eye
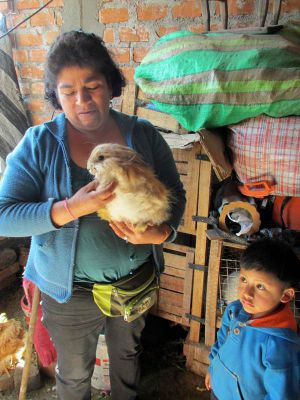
[100,158]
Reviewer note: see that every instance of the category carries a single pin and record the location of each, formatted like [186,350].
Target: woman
[47,193]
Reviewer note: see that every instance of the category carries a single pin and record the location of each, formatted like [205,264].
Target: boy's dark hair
[275,257]
[84,50]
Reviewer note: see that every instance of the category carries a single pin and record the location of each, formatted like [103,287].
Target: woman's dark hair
[275,257]
[84,50]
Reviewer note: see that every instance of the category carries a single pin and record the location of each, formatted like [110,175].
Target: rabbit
[140,198]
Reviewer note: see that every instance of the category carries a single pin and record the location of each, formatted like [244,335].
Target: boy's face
[261,292]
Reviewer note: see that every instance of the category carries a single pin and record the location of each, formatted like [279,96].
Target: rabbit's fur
[141,198]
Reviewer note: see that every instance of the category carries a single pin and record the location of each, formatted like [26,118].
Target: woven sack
[268,149]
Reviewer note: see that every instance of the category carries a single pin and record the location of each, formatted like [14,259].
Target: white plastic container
[100,378]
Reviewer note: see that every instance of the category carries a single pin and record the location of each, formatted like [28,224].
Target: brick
[128,72]
[24,88]
[29,39]
[216,27]
[121,55]
[37,55]
[58,19]
[111,15]
[151,13]
[240,7]
[20,56]
[35,105]
[43,18]
[197,28]
[27,4]
[4,7]
[289,6]
[32,72]
[38,88]
[56,3]
[16,19]
[133,35]
[51,36]
[187,9]
[139,53]
[164,30]
[109,35]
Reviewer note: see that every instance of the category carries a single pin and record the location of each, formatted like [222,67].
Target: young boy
[257,352]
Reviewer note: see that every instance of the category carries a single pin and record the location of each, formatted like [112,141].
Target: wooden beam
[212,291]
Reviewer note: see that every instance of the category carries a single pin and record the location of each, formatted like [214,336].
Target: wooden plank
[167,296]
[128,99]
[185,181]
[263,6]
[201,353]
[183,155]
[212,292]
[12,269]
[199,368]
[174,260]
[158,119]
[182,168]
[205,14]
[276,11]
[224,13]
[192,190]
[178,247]
[170,317]
[141,96]
[180,273]
[172,283]
[234,245]
[201,247]
[188,286]
[169,308]
[214,148]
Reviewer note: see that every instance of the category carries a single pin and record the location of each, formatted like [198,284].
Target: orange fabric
[291,212]
[282,318]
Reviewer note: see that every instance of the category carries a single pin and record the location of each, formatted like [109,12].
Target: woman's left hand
[152,235]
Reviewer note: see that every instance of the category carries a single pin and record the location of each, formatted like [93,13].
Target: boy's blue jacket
[254,363]
[38,173]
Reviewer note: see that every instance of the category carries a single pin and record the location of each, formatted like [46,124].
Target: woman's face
[84,96]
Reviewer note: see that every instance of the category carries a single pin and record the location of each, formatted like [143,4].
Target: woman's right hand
[90,198]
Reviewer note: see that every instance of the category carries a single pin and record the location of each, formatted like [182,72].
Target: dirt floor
[164,376]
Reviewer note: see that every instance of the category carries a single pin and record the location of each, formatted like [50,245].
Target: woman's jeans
[74,327]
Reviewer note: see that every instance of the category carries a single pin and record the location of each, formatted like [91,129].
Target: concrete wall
[129,28]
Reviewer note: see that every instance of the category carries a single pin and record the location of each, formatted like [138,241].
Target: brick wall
[131,27]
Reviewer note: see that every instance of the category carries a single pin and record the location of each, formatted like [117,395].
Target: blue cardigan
[254,363]
[38,173]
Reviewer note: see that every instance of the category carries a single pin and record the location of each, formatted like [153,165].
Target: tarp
[13,120]
[215,79]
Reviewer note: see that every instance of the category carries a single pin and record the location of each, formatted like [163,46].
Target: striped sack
[215,79]
[268,149]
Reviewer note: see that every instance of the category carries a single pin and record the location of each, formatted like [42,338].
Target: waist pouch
[130,296]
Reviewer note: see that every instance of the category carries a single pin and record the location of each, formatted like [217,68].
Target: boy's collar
[281,318]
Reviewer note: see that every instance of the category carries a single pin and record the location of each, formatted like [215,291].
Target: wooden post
[29,343]
[201,244]
[212,291]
